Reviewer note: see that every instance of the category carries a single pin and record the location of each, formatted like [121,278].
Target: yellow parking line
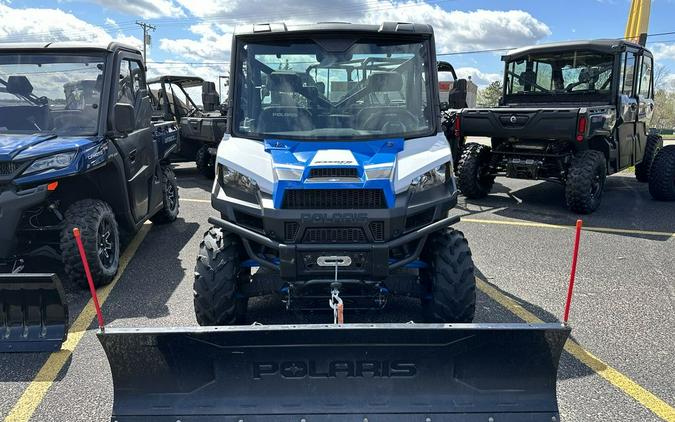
[616,378]
[560,226]
[36,391]
[206,201]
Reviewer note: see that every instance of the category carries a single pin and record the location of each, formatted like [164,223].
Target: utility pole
[146,37]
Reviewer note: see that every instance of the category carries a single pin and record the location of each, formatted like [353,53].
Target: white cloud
[147,9]
[213,43]
[455,30]
[24,25]
[663,51]
[462,31]
[111,22]
[477,76]
[48,25]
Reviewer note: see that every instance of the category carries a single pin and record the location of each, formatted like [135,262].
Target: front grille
[8,168]
[290,231]
[339,172]
[334,235]
[377,230]
[334,199]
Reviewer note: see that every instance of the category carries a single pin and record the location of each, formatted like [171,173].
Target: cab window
[627,74]
[646,77]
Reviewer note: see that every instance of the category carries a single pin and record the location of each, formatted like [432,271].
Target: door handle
[132,155]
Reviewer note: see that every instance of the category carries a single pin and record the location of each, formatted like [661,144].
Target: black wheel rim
[596,186]
[171,195]
[107,243]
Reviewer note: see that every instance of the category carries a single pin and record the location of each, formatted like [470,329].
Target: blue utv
[78,149]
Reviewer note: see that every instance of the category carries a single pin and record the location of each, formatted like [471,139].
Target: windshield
[56,93]
[560,73]
[182,100]
[305,90]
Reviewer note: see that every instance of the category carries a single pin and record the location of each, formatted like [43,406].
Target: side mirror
[124,121]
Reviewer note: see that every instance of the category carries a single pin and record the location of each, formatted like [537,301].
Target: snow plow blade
[358,372]
[33,313]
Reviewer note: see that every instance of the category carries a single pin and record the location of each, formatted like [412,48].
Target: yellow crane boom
[638,21]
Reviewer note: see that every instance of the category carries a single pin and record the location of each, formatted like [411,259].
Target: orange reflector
[52,186]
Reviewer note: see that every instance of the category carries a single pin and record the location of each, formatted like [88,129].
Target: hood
[392,163]
[24,146]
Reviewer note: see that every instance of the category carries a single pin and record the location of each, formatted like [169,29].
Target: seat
[376,117]
[457,95]
[210,97]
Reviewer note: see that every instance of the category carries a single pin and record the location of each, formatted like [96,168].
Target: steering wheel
[383,118]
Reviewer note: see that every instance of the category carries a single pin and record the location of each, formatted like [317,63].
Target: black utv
[201,125]
[571,112]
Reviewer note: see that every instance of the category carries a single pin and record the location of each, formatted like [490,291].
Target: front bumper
[377,240]
[299,259]
[12,205]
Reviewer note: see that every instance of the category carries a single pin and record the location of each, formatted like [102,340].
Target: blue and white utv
[334,178]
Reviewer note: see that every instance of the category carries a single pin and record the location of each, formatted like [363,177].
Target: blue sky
[197,31]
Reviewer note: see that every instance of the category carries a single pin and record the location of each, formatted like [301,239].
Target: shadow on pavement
[188,177]
[153,276]
[626,205]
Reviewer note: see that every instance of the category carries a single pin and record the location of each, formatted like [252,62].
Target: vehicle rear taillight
[581,128]
[457,129]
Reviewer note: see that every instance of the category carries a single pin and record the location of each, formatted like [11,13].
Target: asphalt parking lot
[623,312]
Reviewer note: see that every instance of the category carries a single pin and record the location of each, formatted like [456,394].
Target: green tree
[489,96]
[664,110]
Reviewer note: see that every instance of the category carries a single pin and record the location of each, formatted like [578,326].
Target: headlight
[233,179]
[57,161]
[435,177]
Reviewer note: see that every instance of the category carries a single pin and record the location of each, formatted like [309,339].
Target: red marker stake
[92,290]
[573,272]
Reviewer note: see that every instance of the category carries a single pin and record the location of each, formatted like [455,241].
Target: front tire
[586,182]
[206,163]
[662,175]
[449,279]
[473,178]
[642,169]
[218,278]
[170,205]
[101,240]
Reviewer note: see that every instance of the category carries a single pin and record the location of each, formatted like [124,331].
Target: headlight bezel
[53,162]
[438,176]
[237,185]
